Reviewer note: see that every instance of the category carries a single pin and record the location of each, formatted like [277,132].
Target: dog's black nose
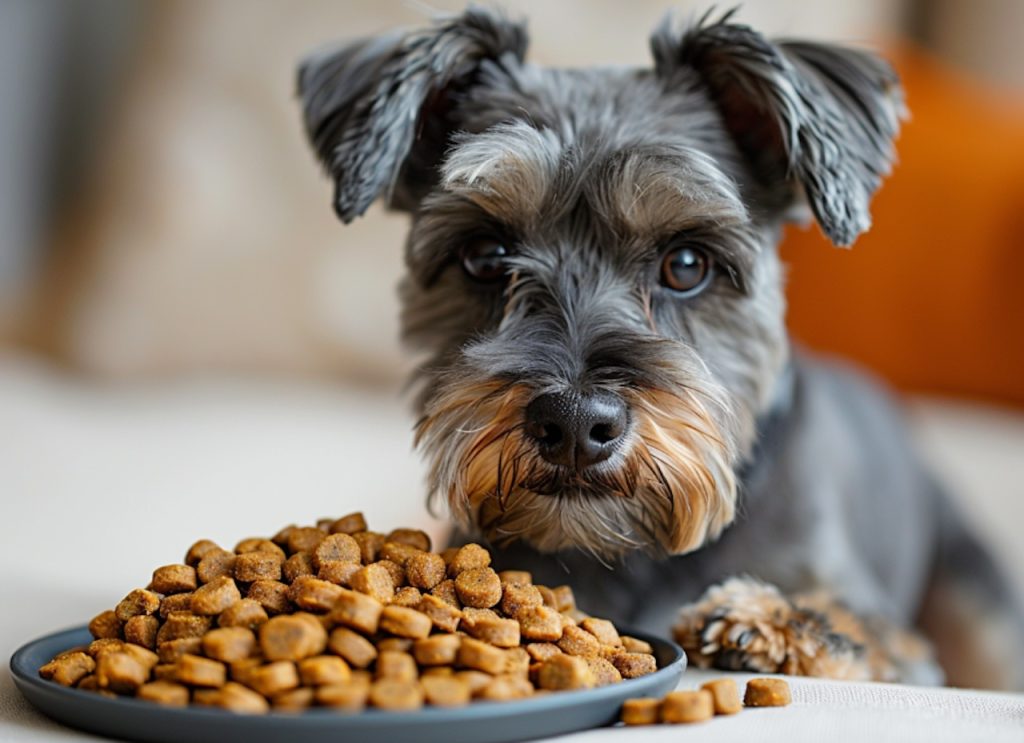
[574,429]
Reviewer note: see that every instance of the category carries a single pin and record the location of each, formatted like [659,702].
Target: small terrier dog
[610,396]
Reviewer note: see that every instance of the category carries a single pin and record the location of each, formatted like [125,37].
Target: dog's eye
[686,270]
[484,259]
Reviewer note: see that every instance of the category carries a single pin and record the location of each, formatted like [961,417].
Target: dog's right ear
[379,111]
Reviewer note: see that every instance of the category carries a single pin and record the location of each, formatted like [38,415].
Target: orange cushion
[932,298]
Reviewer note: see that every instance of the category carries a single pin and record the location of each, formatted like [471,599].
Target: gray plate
[480,722]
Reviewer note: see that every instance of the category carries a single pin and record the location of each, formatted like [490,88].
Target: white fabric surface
[84,469]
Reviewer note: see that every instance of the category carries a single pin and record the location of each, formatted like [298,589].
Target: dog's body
[593,271]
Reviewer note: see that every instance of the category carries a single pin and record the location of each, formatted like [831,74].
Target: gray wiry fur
[589,176]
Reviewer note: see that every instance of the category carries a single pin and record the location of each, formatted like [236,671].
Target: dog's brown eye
[685,270]
[484,259]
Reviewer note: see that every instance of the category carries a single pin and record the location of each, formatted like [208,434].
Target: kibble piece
[349,524]
[687,706]
[292,637]
[314,594]
[104,645]
[516,577]
[105,625]
[174,579]
[468,557]
[349,697]
[438,650]
[120,672]
[502,633]
[69,669]
[444,616]
[474,679]
[141,630]
[506,687]
[517,661]
[170,651]
[304,539]
[408,597]
[369,543]
[540,623]
[145,656]
[518,596]
[216,563]
[337,572]
[259,544]
[396,695]
[374,580]
[199,550]
[413,537]
[166,693]
[445,590]
[197,671]
[175,602]
[641,711]
[301,563]
[604,672]
[139,601]
[271,594]
[725,696]
[273,678]
[243,613]
[603,630]
[445,691]
[396,571]
[564,598]
[215,596]
[471,615]
[358,611]
[481,656]
[206,697]
[398,644]
[392,664]
[397,552]
[634,665]
[577,641]
[633,645]
[548,596]
[183,624]
[257,565]
[323,669]
[229,644]
[565,672]
[340,547]
[352,646]
[165,671]
[478,587]
[425,570]
[237,698]
[767,692]
[240,669]
[295,700]
[405,622]
[541,651]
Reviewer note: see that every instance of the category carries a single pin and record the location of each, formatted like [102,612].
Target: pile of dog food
[337,616]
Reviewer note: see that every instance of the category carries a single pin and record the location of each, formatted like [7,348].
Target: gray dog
[610,396]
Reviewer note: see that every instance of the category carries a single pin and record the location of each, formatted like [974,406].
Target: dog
[609,395]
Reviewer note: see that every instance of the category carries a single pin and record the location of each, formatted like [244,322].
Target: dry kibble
[166,693]
[413,537]
[502,633]
[397,552]
[577,641]
[237,698]
[339,547]
[239,670]
[687,706]
[295,700]
[396,695]
[69,669]
[165,671]
[565,672]
[468,557]
[139,601]
[323,669]
[183,624]
[292,637]
[272,595]
[725,696]
[396,571]
[398,644]
[541,651]
[229,644]
[215,596]
[175,602]
[478,587]
[120,672]
[105,625]
[767,692]
[425,570]
[540,623]
[603,630]
[243,613]
[633,645]
[171,650]
[405,622]
[369,543]
[301,563]
[174,579]
[197,671]
[338,572]
[480,656]
[564,598]
[199,550]
[141,630]
[438,650]
[604,672]
[408,597]
[304,539]
[259,544]
[517,661]
[506,687]
[350,697]
[358,611]
[475,680]
[445,590]
[374,580]
[520,577]
[392,664]
[258,565]
[518,596]
[352,646]
[444,616]
[634,665]
[350,524]
[272,678]
[313,594]
[216,563]
[445,691]
[641,711]
[548,596]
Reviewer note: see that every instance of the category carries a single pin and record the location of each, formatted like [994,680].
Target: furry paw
[743,624]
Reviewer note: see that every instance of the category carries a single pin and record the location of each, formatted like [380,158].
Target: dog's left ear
[814,115]
[378,111]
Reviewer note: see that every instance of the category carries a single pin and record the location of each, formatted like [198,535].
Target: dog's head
[592,264]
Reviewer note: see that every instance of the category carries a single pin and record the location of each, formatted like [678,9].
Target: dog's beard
[668,489]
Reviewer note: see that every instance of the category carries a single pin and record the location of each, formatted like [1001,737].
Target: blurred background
[188,336]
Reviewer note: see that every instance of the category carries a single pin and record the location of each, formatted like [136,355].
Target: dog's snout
[576,430]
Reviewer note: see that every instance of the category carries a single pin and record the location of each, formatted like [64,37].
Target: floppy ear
[819,115]
[378,111]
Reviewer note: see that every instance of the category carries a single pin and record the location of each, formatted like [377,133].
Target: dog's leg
[744,624]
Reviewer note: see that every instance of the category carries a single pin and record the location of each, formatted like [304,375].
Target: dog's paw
[744,624]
